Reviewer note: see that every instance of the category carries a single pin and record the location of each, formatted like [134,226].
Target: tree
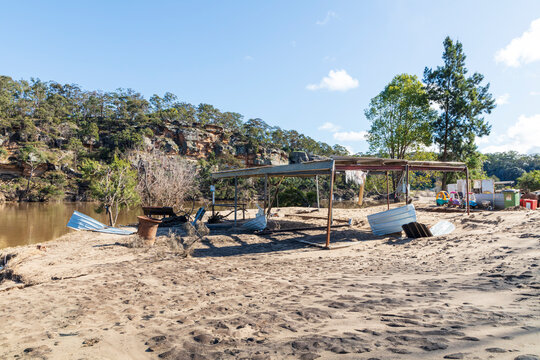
[32,158]
[400,118]
[163,180]
[530,181]
[462,102]
[113,185]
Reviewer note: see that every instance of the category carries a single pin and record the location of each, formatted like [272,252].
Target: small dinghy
[80,221]
[257,224]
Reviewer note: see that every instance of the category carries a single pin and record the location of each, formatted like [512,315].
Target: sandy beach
[473,294]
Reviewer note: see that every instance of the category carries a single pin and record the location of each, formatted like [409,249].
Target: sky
[312,66]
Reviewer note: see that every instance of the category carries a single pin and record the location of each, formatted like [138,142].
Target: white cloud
[522,50]
[328,126]
[521,137]
[329,16]
[337,80]
[535,93]
[350,135]
[248,58]
[502,100]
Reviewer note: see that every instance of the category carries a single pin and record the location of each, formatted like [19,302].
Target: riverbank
[471,294]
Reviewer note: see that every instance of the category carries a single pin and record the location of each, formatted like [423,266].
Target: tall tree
[400,118]
[462,101]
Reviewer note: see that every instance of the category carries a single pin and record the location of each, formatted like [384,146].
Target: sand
[473,294]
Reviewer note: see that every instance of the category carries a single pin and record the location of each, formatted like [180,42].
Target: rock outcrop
[198,142]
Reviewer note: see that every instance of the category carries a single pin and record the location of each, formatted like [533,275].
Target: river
[32,223]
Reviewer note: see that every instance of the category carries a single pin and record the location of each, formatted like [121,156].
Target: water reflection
[31,223]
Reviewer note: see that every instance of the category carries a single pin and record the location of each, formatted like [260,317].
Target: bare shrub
[189,229]
[135,241]
[174,242]
[181,245]
[202,229]
[163,180]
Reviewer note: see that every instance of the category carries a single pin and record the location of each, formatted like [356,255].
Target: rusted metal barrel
[148,229]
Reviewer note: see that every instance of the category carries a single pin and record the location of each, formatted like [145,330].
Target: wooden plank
[333,247]
[304,228]
[320,218]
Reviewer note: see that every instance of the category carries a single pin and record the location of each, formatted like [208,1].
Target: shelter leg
[330,202]
[317,187]
[361,194]
[407,186]
[265,192]
[235,199]
[387,192]
[467,190]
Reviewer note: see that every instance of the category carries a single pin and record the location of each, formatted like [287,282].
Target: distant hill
[66,124]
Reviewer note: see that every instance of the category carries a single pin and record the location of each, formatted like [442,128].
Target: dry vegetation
[163,180]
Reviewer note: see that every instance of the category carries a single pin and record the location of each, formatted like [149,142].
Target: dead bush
[182,246]
[202,229]
[135,241]
[163,180]
[189,229]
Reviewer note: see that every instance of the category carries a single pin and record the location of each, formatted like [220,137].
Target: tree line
[64,115]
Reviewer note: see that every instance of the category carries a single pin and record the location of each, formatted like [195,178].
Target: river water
[31,223]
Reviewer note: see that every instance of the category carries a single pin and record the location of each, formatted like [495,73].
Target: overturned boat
[80,221]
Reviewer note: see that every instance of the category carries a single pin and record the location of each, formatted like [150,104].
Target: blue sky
[312,66]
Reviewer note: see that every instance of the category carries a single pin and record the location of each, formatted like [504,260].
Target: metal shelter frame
[338,164]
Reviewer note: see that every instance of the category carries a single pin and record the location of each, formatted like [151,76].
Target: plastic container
[511,198]
[148,229]
[530,204]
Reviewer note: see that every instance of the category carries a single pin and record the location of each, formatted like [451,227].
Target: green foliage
[462,102]
[400,118]
[530,181]
[509,166]
[421,180]
[113,185]
[475,164]
[51,186]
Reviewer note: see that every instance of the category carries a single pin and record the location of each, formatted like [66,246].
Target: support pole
[387,192]
[317,187]
[361,194]
[235,198]
[467,189]
[330,201]
[407,186]
[265,192]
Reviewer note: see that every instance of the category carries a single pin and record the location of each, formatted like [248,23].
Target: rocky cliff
[196,141]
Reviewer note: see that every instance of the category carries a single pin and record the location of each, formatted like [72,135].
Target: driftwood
[321,218]
[303,228]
